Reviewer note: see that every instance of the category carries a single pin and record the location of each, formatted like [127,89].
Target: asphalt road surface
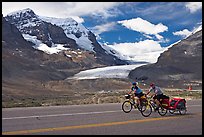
[99,119]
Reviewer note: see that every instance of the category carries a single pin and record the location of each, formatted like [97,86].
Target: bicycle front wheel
[146,110]
[127,106]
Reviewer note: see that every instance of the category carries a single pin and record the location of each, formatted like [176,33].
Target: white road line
[194,105]
[71,114]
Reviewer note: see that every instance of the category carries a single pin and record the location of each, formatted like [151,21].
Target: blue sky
[176,16]
[147,26]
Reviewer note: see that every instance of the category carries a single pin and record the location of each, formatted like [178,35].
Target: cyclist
[158,94]
[138,93]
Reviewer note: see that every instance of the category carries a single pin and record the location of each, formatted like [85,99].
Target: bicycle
[144,107]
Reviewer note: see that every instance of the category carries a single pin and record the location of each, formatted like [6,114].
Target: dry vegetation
[81,92]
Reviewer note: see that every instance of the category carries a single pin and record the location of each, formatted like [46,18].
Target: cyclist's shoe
[139,107]
[157,108]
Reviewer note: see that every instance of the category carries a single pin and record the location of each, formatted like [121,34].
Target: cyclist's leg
[157,101]
[160,99]
[140,97]
[138,100]
[134,98]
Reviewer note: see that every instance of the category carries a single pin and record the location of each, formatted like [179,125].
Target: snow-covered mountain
[73,30]
[39,32]
[53,35]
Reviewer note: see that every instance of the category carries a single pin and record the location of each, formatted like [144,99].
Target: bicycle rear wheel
[127,106]
[146,110]
[162,111]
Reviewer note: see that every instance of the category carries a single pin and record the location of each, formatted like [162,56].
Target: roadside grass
[187,94]
[116,96]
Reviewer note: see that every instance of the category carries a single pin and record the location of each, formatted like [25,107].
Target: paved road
[99,119]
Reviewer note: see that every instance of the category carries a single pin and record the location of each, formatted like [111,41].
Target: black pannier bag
[165,97]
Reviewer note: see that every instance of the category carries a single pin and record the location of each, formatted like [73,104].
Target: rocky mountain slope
[179,66]
[26,70]
[30,74]
[47,32]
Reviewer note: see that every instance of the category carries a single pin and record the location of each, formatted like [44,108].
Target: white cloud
[182,33]
[148,36]
[77,19]
[194,6]
[103,28]
[144,51]
[62,9]
[165,40]
[143,26]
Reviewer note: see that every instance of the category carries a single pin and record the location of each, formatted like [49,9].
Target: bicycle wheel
[171,111]
[146,110]
[127,106]
[182,111]
[162,111]
[182,108]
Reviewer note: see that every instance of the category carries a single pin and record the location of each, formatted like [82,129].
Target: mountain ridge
[179,66]
[53,31]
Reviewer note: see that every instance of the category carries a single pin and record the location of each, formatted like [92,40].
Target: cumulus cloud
[62,9]
[77,19]
[182,33]
[144,51]
[143,26]
[194,6]
[103,28]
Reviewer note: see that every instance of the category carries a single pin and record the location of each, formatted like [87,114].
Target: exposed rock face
[69,33]
[29,23]
[21,61]
[26,70]
[179,66]
[11,37]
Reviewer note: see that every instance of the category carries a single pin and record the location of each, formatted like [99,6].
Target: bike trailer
[165,103]
[177,103]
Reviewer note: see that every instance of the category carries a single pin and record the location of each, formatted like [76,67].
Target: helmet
[152,85]
[134,83]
